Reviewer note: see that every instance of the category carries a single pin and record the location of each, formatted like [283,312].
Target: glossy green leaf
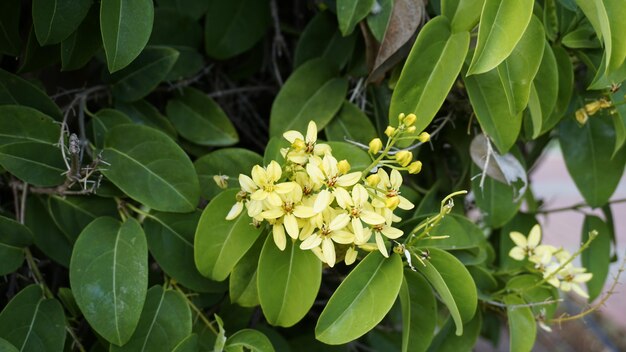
[582,37]
[463,233]
[189,63]
[502,24]
[486,93]
[418,309]
[227,163]
[378,19]
[288,282]
[272,150]
[126,26]
[170,240]
[551,19]
[311,93]
[342,126]
[429,72]
[24,124]
[82,45]
[17,91]
[463,14]
[37,57]
[596,258]
[165,321]
[109,276]
[220,243]
[46,235]
[13,238]
[351,12]
[6,346]
[144,160]
[173,28]
[33,323]
[358,158]
[322,38]
[544,92]
[199,119]
[453,283]
[242,286]
[192,8]
[587,152]
[498,202]
[519,69]
[10,41]
[189,344]
[232,27]
[522,326]
[619,118]
[565,71]
[144,74]
[362,300]
[40,164]
[248,339]
[56,20]
[144,113]
[104,120]
[72,213]
[538,294]
[447,341]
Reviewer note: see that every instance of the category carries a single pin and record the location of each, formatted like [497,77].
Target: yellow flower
[331,227]
[288,213]
[390,131]
[390,189]
[423,137]
[409,120]
[404,157]
[351,255]
[264,180]
[385,229]
[375,145]
[581,116]
[327,174]
[415,167]
[525,247]
[572,277]
[303,147]
[360,210]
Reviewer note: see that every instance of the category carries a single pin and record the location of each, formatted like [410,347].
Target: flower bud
[392,202]
[404,157]
[415,167]
[373,180]
[581,116]
[351,255]
[410,120]
[375,145]
[390,131]
[401,117]
[411,129]
[424,137]
[343,166]
[221,181]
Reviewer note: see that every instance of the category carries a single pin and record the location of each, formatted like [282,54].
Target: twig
[575,207]
[189,81]
[279,47]
[533,304]
[221,93]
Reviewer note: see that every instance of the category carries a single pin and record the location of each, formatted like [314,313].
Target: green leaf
[10,41]
[144,113]
[40,164]
[537,294]
[502,24]
[463,14]
[565,83]
[343,126]
[6,346]
[56,20]
[288,282]
[46,235]
[242,286]
[170,240]
[463,233]
[447,341]
[189,63]
[519,69]
[126,26]
[220,243]
[587,152]
[173,28]
[228,163]
[16,91]
[72,213]
[499,202]
[322,38]
[311,93]
[232,27]
[104,120]
[272,149]
[378,21]
[33,323]
[596,258]
[144,160]
[191,8]
[429,72]
[144,74]
[545,89]
[37,57]
[619,118]
[358,158]
[249,339]
[165,321]
[24,124]
[521,223]
[486,93]
[582,37]
[362,300]
[351,12]
[189,344]
[199,119]
[109,276]
[522,326]
[14,237]
[419,308]
[82,45]
[551,19]
[453,283]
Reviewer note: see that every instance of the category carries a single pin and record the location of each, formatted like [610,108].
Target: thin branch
[233,91]
[533,304]
[575,207]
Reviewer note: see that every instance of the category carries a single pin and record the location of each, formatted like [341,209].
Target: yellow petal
[259,194]
[405,204]
[279,236]
[396,179]
[311,242]
[339,222]
[371,217]
[315,173]
[303,212]
[380,243]
[273,213]
[274,171]
[349,179]
[343,197]
[291,225]
[576,288]
[534,237]
[235,211]
[351,255]
[254,208]
[247,184]
[357,227]
[291,136]
[583,277]
[328,249]
[322,201]
[518,239]
[285,187]
[359,195]
[517,253]
[259,176]
[391,232]
[343,237]
[322,149]
[311,132]
[329,164]
[274,199]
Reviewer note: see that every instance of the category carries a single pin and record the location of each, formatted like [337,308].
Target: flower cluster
[317,200]
[590,109]
[554,263]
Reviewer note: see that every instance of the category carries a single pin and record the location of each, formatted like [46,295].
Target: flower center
[331,181]
[355,212]
[288,207]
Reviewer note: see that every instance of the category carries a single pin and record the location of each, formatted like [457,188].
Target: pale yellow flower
[328,175]
[572,277]
[288,212]
[360,210]
[390,189]
[331,227]
[525,247]
[302,147]
[264,183]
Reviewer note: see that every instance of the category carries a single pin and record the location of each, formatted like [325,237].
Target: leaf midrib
[30,326]
[301,111]
[153,323]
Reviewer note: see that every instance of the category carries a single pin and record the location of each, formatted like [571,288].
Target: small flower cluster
[554,263]
[316,200]
[590,109]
